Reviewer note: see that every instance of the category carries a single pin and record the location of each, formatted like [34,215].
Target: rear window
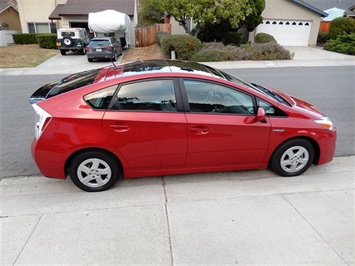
[74,81]
[99,43]
[67,34]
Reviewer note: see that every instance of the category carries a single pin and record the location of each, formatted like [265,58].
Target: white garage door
[287,32]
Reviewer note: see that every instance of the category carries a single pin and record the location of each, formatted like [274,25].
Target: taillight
[42,119]
[109,48]
[89,48]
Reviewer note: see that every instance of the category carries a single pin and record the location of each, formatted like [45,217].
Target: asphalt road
[330,89]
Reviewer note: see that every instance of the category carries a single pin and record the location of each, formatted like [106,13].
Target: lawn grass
[29,55]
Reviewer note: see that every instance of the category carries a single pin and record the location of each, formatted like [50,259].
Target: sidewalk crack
[167,220]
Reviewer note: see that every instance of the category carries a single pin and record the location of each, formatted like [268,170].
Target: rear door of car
[145,124]
[222,126]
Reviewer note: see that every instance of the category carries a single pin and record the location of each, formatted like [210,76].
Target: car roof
[167,66]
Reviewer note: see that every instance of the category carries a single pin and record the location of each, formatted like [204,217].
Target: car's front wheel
[94,171]
[292,158]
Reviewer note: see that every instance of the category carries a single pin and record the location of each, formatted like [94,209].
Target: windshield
[256,87]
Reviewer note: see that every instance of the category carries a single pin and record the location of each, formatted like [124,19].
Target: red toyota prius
[165,117]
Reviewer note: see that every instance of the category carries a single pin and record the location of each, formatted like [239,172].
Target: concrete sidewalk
[303,57]
[246,217]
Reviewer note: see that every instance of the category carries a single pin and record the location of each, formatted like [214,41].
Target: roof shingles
[84,7]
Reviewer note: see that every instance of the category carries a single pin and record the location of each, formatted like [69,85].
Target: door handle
[200,130]
[120,127]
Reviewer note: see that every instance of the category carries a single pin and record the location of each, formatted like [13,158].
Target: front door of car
[146,127]
[222,127]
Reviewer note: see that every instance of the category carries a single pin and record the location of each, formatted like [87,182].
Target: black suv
[72,39]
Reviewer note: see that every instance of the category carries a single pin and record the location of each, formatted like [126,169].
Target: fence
[324,26]
[145,36]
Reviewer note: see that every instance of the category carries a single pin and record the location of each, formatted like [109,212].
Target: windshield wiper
[272,94]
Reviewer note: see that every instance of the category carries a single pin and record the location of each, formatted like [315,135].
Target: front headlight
[325,122]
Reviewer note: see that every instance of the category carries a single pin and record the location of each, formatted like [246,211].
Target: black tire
[90,60]
[63,52]
[83,51]
[67,41]
[94,171]
[292,158]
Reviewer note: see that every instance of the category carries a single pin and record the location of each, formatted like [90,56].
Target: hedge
[185,46]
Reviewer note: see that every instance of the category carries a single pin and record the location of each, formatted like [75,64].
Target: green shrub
[232,38]
[160,35]
[185,46]
[47,41]
[341,26]
[344,44]
[268,51]
[214,52]
[323,37]
[264,38]
[25,38]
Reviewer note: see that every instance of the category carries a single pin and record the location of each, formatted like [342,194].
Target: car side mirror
[261,115]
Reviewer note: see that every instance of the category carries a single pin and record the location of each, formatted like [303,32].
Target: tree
[254,18]
[204,12]
[150,11]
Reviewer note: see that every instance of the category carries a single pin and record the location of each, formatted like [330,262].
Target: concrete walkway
[246,217]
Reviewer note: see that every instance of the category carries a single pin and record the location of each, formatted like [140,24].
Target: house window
[41,27]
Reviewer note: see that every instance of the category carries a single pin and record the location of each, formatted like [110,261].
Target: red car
[161,117]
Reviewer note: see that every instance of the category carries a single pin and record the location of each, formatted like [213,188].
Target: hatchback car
[162,117]
[104,48]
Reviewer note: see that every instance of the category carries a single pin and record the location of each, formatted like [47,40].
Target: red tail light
[109,48]
[89,48]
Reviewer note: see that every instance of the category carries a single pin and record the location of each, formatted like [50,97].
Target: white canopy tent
[111,22]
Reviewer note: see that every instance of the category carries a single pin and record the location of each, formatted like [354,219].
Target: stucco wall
[36,11]
[12,18]
[286,9]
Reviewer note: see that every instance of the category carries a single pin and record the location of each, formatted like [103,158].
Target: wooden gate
[145,36]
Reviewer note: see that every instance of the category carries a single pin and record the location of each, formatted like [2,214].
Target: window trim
[187,105]
[178,98]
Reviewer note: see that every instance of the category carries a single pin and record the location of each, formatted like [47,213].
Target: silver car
[103,48]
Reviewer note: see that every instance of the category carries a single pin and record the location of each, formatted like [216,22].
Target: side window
[100,99]
[270,109]
[211,97]
[149,95]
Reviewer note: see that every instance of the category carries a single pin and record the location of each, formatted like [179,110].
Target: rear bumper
[93,55]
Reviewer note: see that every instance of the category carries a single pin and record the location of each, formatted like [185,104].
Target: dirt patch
[143,53]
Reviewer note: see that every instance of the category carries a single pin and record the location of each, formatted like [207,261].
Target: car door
[222,126]
[145,126]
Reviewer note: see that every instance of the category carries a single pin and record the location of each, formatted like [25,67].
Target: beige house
[9,17]
[291,22]
[44,16]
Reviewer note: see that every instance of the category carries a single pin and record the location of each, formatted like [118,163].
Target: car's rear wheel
[292,158]
[90,59]
[63,52]
[94,171]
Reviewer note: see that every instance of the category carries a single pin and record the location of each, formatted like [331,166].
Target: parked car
[72,39]
[104,48]
[165,117]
